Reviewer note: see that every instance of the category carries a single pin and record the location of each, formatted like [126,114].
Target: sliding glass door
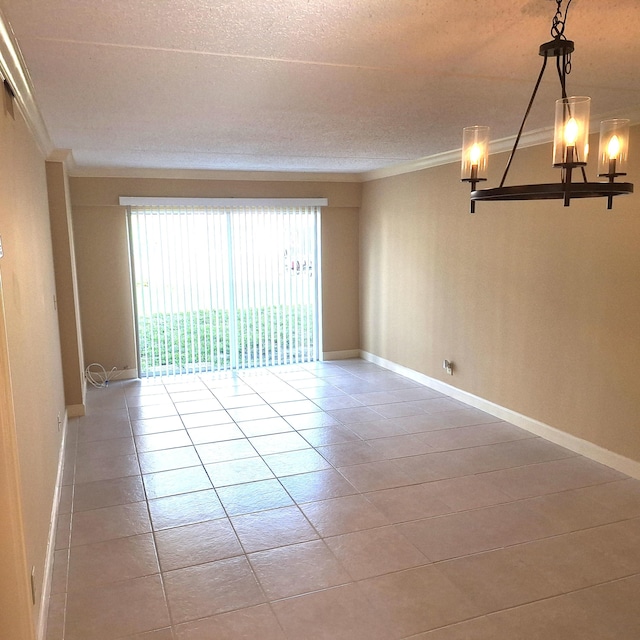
[220,288]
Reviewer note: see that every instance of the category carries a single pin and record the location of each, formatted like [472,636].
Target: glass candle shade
[614,148]
[571,135]
[475,153]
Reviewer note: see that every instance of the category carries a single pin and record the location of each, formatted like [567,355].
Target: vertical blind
[226,287]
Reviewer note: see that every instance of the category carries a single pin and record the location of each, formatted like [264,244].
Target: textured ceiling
[306,85]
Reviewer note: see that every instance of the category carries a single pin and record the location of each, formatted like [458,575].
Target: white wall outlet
[448,366]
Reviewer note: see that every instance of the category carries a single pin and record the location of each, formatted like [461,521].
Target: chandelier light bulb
[613,148]
[571,132]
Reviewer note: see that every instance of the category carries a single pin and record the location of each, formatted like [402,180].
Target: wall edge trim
[43,613]
[586,448]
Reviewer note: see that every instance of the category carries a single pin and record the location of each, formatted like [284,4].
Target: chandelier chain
[560,20]
[557,31]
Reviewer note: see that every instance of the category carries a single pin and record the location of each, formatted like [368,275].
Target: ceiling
[347,86]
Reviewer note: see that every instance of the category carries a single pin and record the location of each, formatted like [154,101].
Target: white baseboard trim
[341,355]
[557,436]
[124,374]
[47,576]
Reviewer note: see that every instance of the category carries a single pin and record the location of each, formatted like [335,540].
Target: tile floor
[332,501]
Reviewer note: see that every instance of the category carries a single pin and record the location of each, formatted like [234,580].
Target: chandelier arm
[526,115]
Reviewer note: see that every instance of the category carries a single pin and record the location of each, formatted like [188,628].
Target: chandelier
[570,142]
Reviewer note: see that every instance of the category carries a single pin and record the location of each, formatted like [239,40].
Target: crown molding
[206,174]
[14,71]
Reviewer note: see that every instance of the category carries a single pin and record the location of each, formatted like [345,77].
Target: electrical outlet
[59,421]
[448,367]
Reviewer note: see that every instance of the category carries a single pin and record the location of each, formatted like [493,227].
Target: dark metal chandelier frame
[561,49]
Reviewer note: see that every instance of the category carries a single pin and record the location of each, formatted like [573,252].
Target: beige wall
[538,305]
[102,254]
[30,433]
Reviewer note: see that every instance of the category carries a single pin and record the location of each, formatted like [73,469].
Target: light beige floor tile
[100,563]
[339,613]
[169,483]
[157,425]
[65,504]
[197,406]
[108,493]
[404,504]
[217,433]
[561,618]
[296,569]
[259,412]
[620,541]
[374,552]
[60,571]
[63,532]
[355,414]
[244,624]
[549,477]
[185,508]
[168,459]
[55,616]
[206,419]
[621,496]
[381,428]
[499,579]
[94,469]
[108,523]
[418,600]
[253,496]
[238,471]
[348,453]
[474,436]
[569,563]
[467,532]
[375,476]
[572,510]
[294,462]
[116,610]
[343,515]
[226,450]
[399,446]
[297,407]
[158,634]
[317,485]
[328,435]
[106,448]
[103,427]
[197,544]
[481,628]
[279,443]
[163,440]
[468,492]
[191,396]
[273,528]
[337,401]
[267,426]
[312,421]
[155,410]
[208,589]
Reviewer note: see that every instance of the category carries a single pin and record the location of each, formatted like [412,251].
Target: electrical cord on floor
[101,377]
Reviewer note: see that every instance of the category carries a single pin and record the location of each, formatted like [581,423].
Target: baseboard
[47,576]
[124,374]
[341,355]
[573,443]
